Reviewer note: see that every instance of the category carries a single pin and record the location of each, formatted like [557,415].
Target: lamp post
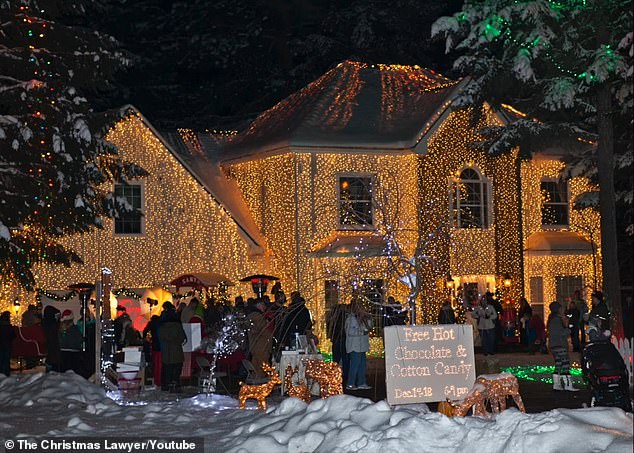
[507,281]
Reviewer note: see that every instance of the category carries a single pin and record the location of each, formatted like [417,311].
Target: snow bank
[72,406]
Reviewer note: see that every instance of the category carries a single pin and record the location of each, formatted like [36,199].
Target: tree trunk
[607,207]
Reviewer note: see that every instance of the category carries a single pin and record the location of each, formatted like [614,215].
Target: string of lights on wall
[185,230]
[580,221]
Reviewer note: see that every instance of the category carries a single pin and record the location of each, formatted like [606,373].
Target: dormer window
[470,200]
[355,201]
[555,203]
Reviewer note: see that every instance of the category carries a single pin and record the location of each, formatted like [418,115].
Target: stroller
[604,370]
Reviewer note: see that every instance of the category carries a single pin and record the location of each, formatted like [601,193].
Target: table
[296,360]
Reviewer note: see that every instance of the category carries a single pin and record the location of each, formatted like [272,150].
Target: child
[558,333]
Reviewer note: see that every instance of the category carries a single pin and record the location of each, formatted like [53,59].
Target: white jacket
[486,316]
[357,339]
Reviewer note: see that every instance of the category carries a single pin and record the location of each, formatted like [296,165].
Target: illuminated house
[367,149]
[330,187]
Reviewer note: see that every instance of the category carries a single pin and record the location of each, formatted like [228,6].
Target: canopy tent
[557,243]
[199,280]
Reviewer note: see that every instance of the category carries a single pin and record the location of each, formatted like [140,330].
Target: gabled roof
[224,191]
[383,108]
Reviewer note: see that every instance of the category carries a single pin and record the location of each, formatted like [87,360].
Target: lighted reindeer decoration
[327,374]
[494,388]
[300,390]
[259,392]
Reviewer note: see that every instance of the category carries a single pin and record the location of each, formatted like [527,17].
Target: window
[565,287]
[129,222]
[355,202]
[555,203]
[470,200]
[537,295]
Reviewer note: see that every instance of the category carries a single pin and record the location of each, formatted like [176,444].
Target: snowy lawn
[38,405]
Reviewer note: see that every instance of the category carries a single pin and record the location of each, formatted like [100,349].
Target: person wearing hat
[558,333]
[69,342]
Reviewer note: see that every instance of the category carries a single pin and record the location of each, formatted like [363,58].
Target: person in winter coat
[573,315]
[558,333]
[446,314]
[70,340]
[486,315]
[525,314]
[152,329]
[50,326]
[358,325]
[31,316]
[582,306]
[121,325]
[297,319]
[172,337]
[260,337]
[600,312]
[7,334]
[336,333]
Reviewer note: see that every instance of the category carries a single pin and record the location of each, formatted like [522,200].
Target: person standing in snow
[50,326]
[7,334]
[558,333]
[260,337]
[486,315]
[446,315]
[600,312]
[70,340]
[336,333]
[358,325]
[172,337]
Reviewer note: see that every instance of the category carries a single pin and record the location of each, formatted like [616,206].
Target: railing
[625,349]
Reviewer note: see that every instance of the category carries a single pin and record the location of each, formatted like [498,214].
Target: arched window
[470,200]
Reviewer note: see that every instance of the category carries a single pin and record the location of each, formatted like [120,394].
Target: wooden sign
[427,363]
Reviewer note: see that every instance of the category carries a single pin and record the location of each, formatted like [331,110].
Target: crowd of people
[271,325]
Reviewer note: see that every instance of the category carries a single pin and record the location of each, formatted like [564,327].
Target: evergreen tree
[54,162]
[567,63]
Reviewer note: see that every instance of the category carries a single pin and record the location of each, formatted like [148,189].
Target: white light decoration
[186,230]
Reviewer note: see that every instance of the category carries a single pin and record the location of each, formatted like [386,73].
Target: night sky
[214,64]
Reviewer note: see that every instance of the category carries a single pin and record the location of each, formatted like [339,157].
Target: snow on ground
[45,405]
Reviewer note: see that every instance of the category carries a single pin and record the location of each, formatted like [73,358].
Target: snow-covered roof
[382,108]
[210,177]
[188,149]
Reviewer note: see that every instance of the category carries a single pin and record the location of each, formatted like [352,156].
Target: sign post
[427,363]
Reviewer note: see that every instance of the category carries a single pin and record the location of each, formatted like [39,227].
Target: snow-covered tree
[567,65]
[53,159]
